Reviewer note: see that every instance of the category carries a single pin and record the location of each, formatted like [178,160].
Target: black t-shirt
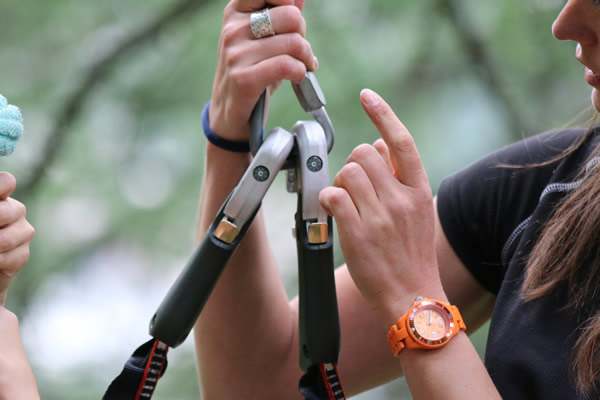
[492,216]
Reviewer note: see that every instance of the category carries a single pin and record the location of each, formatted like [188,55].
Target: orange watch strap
[398,337]
[460,324]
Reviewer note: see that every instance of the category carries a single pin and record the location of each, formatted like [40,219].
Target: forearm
[246,333]
[454,371]
[383,206]
[16,377]
[246,336]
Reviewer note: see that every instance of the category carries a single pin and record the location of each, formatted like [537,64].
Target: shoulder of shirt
[545,146]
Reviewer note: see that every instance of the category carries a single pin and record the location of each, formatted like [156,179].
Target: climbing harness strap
[321,382]
[148,363]
[140,375]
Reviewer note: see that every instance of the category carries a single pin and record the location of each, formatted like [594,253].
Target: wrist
[223,165]
[235,146]
[428,324]
[396,306]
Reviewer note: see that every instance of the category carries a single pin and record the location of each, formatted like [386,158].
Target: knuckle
[7,240]
[294,14]
[402,142]
[295,19]
[23,257]
[5,215]
[406,208]
[30,232]
[232,57]
[290,68]
[350,171]
[379,142]
[361,151]
[284,66]
[229,9]
[350,174]
[20,209]
[337,197]
[230,34]
[380,223]
[12,262]
[380,145]
[241,80]
[337,179]
[400,208]
[295,45]
[8,317]
[5,271]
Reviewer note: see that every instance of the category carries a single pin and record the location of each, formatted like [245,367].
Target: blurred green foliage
[120,196]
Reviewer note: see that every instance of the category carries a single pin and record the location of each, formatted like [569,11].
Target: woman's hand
[246,65]
[15,234]
[383,206]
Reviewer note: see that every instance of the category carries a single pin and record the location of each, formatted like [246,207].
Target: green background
[111,162]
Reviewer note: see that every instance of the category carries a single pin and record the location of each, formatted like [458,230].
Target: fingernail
[315,63]
[369,97]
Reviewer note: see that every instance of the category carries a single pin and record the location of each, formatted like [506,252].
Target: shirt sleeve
[482,205]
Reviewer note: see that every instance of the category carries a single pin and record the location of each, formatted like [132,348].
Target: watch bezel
[414,333]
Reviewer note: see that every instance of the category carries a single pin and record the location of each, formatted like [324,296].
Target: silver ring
[260,24]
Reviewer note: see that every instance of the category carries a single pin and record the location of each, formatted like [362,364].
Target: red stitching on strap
[162,357]
[330,378]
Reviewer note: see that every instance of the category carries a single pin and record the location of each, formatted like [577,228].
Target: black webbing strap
[148,363]
[140,375]
[321,382]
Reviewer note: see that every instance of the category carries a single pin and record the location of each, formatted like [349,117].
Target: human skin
[579,21]
[16,234]
[17,381]
[388,229]
[249,293]
[16,377]
[245,67]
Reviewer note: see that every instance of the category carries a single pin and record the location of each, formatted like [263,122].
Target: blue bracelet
[236,147]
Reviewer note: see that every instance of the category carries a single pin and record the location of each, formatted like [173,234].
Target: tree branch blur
[482,64]
[93,76]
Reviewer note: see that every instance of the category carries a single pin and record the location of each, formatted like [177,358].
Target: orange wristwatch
[429,324]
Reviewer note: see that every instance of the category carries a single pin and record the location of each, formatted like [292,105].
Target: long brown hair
[570,238]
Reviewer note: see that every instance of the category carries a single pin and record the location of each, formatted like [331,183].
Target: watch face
[431,323]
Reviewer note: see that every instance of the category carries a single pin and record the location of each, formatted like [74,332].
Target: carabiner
[311,98]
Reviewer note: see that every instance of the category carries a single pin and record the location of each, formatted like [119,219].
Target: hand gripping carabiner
[311,98]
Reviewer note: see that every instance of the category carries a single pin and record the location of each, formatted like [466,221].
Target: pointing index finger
[402,149]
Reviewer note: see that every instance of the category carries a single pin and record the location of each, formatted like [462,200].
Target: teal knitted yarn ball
[11,126]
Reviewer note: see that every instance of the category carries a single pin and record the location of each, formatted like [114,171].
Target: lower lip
[591,78]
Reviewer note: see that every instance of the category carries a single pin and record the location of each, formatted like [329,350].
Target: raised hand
[246,65]
[383,206]
[15,234]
